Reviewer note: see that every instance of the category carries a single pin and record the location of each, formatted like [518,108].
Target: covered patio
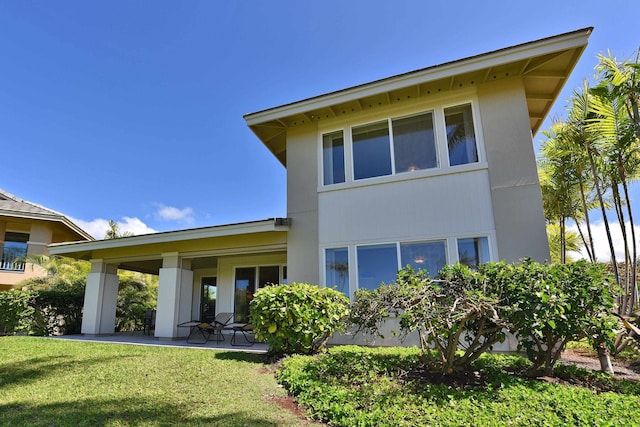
[201,271]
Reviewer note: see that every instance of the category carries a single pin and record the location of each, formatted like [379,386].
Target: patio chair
[208,330]
[145,323]
[149,321]
[247,333]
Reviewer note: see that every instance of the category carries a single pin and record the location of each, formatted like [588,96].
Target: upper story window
[371,150]
[414,143]
[461,138]
[333,157]
[400,145]
[14,251]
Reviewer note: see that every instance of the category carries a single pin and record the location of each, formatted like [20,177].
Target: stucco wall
[515,189]
[302,204]
[433,207]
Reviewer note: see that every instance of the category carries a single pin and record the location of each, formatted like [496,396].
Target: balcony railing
[11,262]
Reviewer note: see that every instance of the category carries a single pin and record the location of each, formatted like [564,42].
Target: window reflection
[430,256]
[376,265]
[473,251]
[461,138]
[333,158]
[414,143]
[371,150]
[337,269]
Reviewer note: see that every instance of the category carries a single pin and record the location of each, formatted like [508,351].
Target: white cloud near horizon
[171,213]
[98,227]
[601,243]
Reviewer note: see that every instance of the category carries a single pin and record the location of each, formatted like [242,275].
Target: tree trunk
[604,211]
[627,302]
[605,360]
[592,252]
[634,260]
[584,240]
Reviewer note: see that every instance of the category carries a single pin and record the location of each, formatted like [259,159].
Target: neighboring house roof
[17,208]
[544,65]
[144,252]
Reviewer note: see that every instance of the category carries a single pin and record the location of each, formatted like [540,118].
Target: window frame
[476,130]
[323,268]
[323,158]
[398,247]
[451,252]
[14,251]
[442,167]
[489,242]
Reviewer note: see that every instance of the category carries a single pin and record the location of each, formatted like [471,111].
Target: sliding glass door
[247,281]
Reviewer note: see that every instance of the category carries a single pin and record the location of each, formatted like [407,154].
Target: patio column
[100,299]
[175,289]
[40,236]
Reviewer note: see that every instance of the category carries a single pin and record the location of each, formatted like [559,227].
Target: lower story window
[378,264]
[473,251]
[429,256]
[337,269]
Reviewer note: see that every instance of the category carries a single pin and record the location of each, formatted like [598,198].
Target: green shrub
[350,386]
[458,311]
[298,317]
[135,297]
[58,311]
[53,306]
[553,304]
[16,311]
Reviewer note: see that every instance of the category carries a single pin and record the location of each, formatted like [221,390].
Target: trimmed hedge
[298,317]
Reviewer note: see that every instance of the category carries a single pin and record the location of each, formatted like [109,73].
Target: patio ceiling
[202,246]
[544,66]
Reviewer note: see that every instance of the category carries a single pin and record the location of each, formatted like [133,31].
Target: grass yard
[48,382]
[356,386]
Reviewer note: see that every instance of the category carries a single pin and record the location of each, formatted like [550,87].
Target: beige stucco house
[27,229]
[429,167]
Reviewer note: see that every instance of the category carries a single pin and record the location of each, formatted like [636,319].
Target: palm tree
[560,245]
[616,122]
[579,114]
[113,232]
[565,189]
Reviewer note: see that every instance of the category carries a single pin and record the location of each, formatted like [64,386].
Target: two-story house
[27,229]
[425,168]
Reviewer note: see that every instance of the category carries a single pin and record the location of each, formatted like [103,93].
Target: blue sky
[132,110]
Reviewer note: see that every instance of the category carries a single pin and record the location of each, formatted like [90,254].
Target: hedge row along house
[27,229]
[425,168]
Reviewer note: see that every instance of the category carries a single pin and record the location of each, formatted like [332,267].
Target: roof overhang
[144,253]
[544,65]
[65,223]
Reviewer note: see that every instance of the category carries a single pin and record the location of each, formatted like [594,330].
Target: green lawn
[48,382]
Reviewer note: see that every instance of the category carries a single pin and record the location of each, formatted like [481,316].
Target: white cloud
[601,243]
[135,226]
[98,227]
[170,213]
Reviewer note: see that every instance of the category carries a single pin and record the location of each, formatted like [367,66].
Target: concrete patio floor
[139,338]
